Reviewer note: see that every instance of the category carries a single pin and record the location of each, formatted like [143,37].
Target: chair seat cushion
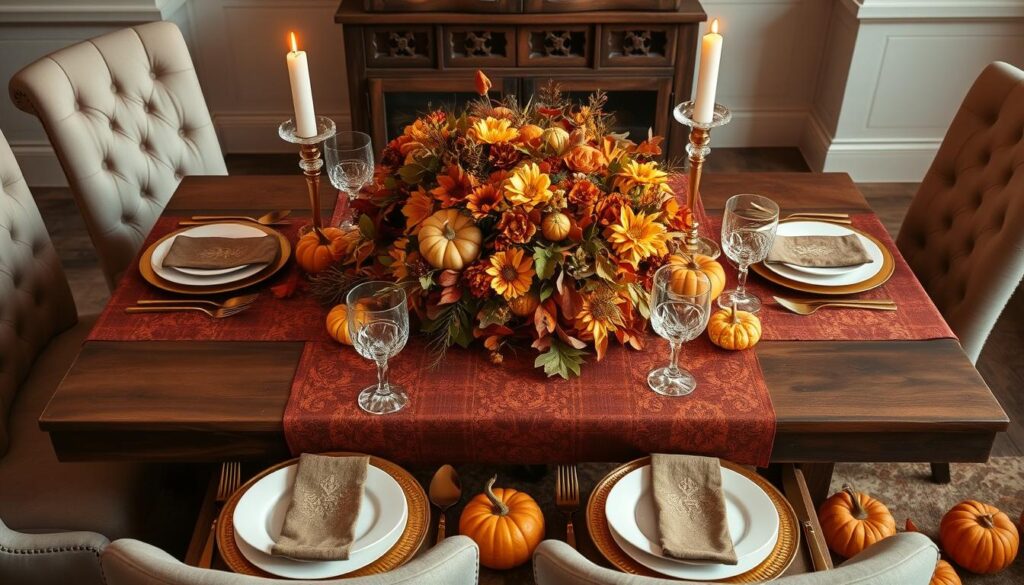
[39,493]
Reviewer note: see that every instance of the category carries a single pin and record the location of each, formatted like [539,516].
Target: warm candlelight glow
[714,30]
[295,43]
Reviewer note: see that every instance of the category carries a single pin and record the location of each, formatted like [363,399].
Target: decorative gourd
[337,324]
[979,537]
[555,226]
[851,522]
[449,240]
[945,574]
[524,305]
[318,250]
[556,140]
[734,330]
[684,282]
[506,524]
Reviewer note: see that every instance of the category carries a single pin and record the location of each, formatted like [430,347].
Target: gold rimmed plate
[408,543]
[876,280]
[150,275]
[785,550]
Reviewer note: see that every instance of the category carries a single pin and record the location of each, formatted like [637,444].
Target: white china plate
[203,272]
[818,276]
[753,519]
[260,512]
[221,230]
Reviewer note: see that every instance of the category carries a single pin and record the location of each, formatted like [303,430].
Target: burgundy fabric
[473,411]
[298,318]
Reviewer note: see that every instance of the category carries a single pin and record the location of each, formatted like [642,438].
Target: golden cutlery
[233,302]
[842,218]
[216,313]
[230,479]
[271,218]
[567,498]
[445,491]
[809,307]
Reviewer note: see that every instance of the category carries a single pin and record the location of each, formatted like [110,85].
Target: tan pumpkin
[524,305]
[734,330]
[945,574]
[337,324]
[555,139]
[851,522]
[506,524]
[317,251]
[449,240]
[555,226]
[685,283]
[979,537]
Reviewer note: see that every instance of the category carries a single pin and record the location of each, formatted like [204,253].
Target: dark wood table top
[835,400]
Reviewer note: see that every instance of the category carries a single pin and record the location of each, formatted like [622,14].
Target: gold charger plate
[774,566]
[146,266]
[883,275]
[407,545]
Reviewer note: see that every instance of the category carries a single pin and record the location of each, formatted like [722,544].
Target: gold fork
[809,307]
[230,479]
[567,498]
[843,218]
[216,313]
[233,302]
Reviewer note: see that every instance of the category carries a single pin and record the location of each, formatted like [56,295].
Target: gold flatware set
[268,219]
[445,491]
[810,306]
[230,479]
[227,308]
[567,498]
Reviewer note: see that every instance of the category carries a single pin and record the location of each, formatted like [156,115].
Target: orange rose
[585,159]
[483,84]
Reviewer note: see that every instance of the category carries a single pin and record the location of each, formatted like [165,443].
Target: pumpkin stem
[449,233]
[500,508]
[732,313]
[320,235]
[986,520]
[857,510]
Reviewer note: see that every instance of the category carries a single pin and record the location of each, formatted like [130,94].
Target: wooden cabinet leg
[940,473]
[819,480]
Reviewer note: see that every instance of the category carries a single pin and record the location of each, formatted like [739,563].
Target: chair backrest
[904,559]
[964,232]
[48,559]
[35,301]
[455,561]
[127,118]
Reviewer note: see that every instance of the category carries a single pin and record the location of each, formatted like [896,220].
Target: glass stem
[741,281]
[383,388]
[673,360]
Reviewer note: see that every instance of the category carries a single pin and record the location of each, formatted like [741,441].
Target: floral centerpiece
[519,225]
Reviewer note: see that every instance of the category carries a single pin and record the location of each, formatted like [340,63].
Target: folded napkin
[321,518]
[216,253]
[691,508]
[819,251]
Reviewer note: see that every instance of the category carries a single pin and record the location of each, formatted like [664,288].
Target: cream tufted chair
[50,559]
[128,120]
[39,339]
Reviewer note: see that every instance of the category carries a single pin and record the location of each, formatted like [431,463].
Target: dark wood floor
[1001,362]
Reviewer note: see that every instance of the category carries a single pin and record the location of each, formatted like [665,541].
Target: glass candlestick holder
[310,161]
[698,150]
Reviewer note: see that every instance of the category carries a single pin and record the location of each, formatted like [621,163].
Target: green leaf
[546,290]
[544,262]
[493,313]
[604,267]
[561,359]
[427,281]
[366,227]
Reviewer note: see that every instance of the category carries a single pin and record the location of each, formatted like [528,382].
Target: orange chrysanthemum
[528,187]
[634,174]
[493,130]
[585,159]
[453,186]
[599,314]
[417,208]
[637,236]
[483,200]
[511,273]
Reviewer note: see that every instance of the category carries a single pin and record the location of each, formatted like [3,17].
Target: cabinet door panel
[641,45]
[399,46]
[584,5]
[479,46]
[560,45]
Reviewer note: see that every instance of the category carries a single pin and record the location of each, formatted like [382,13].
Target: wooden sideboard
[402,63]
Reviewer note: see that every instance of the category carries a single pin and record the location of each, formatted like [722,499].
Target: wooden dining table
[835,401]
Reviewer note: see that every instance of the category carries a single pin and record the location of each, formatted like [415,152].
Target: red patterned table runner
[299,318]
[472,410]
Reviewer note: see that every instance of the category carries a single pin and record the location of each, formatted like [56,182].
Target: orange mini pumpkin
[556,226]
[449,240]
[734,330]
[851,522]
[337,324]
[979,537]
[506,524]
[524,305]
[317,251]
[945,574]
[684,281]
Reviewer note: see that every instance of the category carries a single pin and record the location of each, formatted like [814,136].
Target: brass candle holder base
[698,150]
[311,163]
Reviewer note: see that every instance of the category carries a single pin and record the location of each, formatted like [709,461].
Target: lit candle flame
[714,30]
[295,43]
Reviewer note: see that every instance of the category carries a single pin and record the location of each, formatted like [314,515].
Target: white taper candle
[707,77]
[302,91]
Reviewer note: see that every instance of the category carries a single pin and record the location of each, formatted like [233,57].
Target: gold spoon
[271,218]
[232,303]
[445,491]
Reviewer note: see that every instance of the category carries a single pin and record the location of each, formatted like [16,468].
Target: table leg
[819,480]
[940,473]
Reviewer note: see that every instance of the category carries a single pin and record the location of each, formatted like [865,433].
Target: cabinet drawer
[584,5]
[443,5]
[479,46]
[556,46]
[399,46]
[641,45]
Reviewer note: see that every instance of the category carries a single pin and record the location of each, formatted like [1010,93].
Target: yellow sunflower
[634,174]
[599,315]
[417,208]
[493,130]
[511,273]
[637,236]
[528,187]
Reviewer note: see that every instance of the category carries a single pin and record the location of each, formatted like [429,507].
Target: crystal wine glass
[748,230]
[349,161]
[680,307]
[378,321]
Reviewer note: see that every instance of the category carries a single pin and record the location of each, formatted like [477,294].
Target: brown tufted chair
[964,232]
[127,118]
[39,338]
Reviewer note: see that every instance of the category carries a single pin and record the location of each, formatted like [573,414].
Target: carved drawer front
[556,46]
[641,45]
[399,46]
[479,46]
[443,5]
[584,5]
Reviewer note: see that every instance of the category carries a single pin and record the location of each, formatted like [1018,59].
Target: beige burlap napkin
[321,518]
[691,508]
[216,253]
[819,251]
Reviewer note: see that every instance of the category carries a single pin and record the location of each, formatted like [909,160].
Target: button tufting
[181,132]
[152,74]
[147,108]
[106,165]
[177,175]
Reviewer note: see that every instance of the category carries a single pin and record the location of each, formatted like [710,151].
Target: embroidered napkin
[819,251]
[214,253]
[321,518]
[691,508]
